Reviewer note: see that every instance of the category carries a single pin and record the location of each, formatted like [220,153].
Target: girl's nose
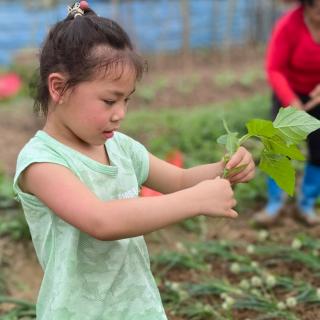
[119,112]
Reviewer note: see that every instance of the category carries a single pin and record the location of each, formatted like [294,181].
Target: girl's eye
[109,102]
[126,100]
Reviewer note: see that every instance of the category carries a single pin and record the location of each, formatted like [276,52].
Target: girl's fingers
[232,213]
[243,176]
[239,157]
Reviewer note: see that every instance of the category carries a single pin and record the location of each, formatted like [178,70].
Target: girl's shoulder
[36,148]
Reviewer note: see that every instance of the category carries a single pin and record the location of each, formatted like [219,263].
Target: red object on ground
[10,84]
[174,157]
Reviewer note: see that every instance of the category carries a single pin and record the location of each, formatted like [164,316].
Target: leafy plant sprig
[280,140]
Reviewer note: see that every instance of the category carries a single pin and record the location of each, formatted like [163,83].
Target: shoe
[310,219]
[264,219]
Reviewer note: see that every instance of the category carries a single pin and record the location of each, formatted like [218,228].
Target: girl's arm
[167,178]
[60,190]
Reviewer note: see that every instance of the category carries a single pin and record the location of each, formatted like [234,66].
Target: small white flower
[175,286]
[244,284]
[263,235]
[194,251]
[296,244]
[250,249]
[315,252]
[254,264]
[229,300]
[281,305]
[183,295]
[180,247]
[223,295]
[208,308]
[255,292]
[270,281]
[291,302]
[235,268]
[225,306]
[238,291]
[256,281]
[318,293]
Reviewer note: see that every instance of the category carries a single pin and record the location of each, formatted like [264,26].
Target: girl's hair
[307,2]
[78,46]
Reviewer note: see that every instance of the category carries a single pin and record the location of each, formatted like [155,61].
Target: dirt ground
[17,124]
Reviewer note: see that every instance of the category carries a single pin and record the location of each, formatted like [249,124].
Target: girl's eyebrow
[121,94]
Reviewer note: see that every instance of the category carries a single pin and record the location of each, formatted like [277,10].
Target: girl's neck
[97,153]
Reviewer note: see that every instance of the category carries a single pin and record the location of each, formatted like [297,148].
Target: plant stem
[244,138]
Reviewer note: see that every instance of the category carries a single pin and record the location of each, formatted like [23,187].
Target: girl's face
[91,111]
[313,11]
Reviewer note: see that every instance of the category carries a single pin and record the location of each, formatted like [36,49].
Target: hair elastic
[75,10]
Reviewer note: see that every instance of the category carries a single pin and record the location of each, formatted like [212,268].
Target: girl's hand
[215,198]
[241,158]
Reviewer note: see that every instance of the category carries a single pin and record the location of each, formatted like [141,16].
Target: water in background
[154,26]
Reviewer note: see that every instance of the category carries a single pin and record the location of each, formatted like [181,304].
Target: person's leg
[275,198]
[310,187]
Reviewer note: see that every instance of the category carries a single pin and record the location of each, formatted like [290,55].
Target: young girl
[78,179]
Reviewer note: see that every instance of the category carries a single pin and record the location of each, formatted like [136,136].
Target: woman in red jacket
[293,70]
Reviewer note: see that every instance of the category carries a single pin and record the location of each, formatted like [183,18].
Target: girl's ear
[56,85]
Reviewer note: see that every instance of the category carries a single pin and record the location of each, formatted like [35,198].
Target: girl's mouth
[108,134]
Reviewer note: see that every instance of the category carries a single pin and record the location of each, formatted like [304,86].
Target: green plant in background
[225,79]
[187,85]
[252,75]
[248,284]
[149,92]
[6,192]
[280,139]
[12,220]
[22,309]
[14,225]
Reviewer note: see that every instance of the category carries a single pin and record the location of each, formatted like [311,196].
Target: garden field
[205,268]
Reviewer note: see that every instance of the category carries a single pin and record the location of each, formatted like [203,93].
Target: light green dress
[85,278]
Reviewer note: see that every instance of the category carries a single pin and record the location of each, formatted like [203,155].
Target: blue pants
[309,191]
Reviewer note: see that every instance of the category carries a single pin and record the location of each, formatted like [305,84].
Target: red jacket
[293,58]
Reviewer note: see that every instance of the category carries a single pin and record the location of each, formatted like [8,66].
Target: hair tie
[77,9]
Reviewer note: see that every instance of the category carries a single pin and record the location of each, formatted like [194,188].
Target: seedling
[280,140]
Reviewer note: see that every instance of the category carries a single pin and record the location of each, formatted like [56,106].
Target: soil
[19,266]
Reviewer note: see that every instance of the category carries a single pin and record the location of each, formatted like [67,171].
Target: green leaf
[280,169]
[261,128]
[278,146]
[222,139]
[232,142]
[295,125]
